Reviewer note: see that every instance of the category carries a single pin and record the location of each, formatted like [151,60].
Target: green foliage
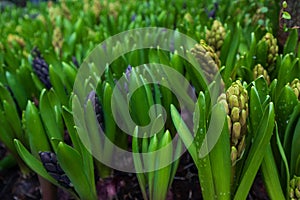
[35,119]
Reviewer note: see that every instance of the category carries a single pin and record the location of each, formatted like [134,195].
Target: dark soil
[120,186]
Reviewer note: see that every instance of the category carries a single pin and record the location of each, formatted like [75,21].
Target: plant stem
[48,190]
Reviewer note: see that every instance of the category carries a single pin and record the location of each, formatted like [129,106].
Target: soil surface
[119,186]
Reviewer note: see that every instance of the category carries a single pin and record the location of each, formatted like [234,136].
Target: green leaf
[203,164]
[286,15]
[150,160]
[295,150]
[284,74]
[138,101]
[176,63]
[167,98]
[284,4]
[71,42]
[264,9]
[164,155]
[195,74]
[34,128]
[231,57]
[58,85]
[262,52]
[138,163]
[23,75]
[93,128]
[33,162]
[226,47]
[70,75]
[71,162]
[110,125]
[273,87]
[220,154]
[52,122]
[80,136]
[291,43]
[289,131]
[69,122]
[255,109]
[285,105]
[271,175]
[7,135]
[13,120]
[163,57]
[285,174]
[38,84]
[184,132]
[252,52]
[262,89]
[17,89]
[5,95]
[257,152]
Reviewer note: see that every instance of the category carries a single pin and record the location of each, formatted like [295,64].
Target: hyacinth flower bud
[235,102]
[295,188]
[258,17]
[272,51]
[57,39]
[41,68]
[65,10]
[52,166]
[127,75]
[215,37]
[207,58]
[13,38]
[53,12]
[295,85]
[258,71]
[97,108]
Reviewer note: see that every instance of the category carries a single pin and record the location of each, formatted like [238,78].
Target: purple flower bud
[75,61]
[97,108]
[41,68]
[52,166]
[133,17]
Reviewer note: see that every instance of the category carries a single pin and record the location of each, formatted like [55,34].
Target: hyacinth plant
[258,108]
[232,180]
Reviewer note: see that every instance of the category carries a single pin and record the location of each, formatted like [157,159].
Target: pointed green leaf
[35,164]
[52,124]
[71,162]
[220,155]
[138,163]
[285,174]
[34,128]
[184,133]
[164,156]
[13,119]
[289,131]
[285,105]
[58,85]
[203,164]
[17,89]
[271,176]
[7,135]
[149,160]
[295,150]
[5,95]
[257,152]
[261,53]
[291,43]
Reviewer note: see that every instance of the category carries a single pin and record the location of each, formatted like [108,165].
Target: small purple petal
[133,17]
